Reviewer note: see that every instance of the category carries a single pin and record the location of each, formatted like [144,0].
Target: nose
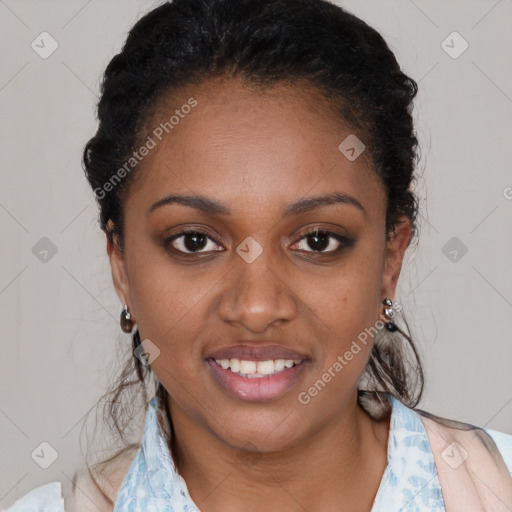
[256,296]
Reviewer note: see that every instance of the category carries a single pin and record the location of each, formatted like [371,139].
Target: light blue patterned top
[152,484]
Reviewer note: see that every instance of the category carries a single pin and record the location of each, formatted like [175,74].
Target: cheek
[345,310]
[347,301]
[170,308]
[173,318]
[345,334]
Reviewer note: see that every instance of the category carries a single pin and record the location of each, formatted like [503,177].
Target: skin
[257,151]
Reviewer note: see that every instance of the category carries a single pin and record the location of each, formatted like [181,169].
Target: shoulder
[46,498]
[97,493]
[86,495]
[494,443]
[503,442]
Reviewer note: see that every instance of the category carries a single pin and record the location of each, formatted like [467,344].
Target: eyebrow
[213,207]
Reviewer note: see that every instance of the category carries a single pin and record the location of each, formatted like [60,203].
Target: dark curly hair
[309,43]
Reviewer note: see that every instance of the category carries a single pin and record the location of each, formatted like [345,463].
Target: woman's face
[251,275]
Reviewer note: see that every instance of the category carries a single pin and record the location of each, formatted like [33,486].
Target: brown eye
[319,241]
[191,242]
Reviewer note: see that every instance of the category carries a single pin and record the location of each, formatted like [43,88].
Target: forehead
[262,145]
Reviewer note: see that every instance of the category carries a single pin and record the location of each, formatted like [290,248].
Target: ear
[117,265]
[396,246]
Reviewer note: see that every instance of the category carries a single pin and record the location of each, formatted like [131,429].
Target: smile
[256,380]
[257,369]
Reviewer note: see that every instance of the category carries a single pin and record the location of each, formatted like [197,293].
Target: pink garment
[471,470]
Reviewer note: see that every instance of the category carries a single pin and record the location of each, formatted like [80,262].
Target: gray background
[60,332]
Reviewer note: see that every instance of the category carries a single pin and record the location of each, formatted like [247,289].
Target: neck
[339,467]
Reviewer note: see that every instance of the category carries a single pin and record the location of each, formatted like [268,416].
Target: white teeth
[247,366]
[256,369]
[279,364]
[266,367]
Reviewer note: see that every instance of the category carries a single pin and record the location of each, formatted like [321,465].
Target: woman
[253,168]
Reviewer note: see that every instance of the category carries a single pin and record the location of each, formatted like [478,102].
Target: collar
[409,483]
[152,482]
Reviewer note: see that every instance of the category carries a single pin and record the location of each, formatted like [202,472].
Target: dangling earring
[126,322]
[389,313]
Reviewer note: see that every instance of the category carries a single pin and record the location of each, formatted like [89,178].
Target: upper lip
[256,352]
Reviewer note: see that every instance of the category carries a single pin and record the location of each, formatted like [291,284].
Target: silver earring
[389,312]
[126,321]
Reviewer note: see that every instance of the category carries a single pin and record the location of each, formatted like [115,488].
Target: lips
[256,352]
[261,389]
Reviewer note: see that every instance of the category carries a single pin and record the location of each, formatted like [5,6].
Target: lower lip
[257,389]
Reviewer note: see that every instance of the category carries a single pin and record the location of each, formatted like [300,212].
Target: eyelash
[344,241]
